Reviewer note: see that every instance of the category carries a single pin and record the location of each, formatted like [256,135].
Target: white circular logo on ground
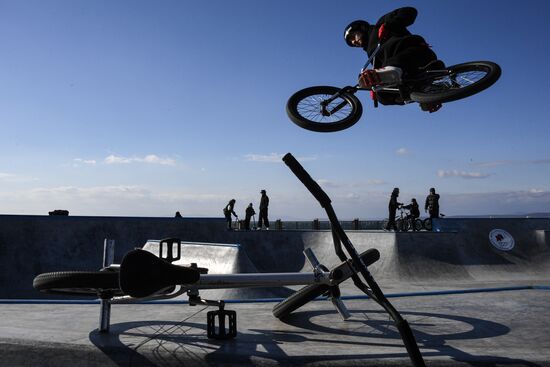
[501,239]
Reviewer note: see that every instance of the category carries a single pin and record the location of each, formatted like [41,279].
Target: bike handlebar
[306,179]
[340,237]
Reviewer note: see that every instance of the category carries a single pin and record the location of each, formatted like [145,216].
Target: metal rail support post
[105,302]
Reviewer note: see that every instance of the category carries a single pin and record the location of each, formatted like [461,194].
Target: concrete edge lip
[267,300]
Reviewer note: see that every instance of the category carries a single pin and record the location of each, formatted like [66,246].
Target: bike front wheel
[79,283]
[305,108]
[298,299]
[460,81]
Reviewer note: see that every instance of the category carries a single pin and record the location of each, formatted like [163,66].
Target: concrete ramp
[459,254]
[219,258]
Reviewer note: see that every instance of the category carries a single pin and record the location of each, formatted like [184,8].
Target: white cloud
[402,151]
[10,177]
[6,176]
[327,183]
[151,159]
[493,163]
[375,182]
[78,161]
[273,158]
[462,174]
[509,162]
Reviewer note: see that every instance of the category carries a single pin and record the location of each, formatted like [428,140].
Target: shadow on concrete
[168,343]
[429,330]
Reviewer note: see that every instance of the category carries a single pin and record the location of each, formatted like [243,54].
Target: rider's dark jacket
[401,48]
[249,213]
[393,204]
[432,205]
[413,207]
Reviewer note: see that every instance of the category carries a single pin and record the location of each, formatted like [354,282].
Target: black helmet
[357,25]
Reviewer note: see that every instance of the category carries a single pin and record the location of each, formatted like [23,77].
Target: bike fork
[324,104]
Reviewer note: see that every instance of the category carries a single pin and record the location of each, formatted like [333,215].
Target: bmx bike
[143,275]
[405,222]
[329,109]
[427,223]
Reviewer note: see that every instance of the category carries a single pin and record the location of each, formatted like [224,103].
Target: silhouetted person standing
[264,203]
[228,210]
[432,204]
[392,208]
[249,213]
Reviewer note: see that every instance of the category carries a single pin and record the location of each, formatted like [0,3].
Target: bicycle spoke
[311,109]
[454,81]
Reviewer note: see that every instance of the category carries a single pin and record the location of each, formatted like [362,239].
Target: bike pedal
[220,331]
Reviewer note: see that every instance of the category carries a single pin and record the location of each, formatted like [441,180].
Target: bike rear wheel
[460,81]
[417,223]
[79,283]
[427,224]
[402,225]
[305,110]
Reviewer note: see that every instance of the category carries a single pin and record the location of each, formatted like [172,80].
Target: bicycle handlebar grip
[306,179]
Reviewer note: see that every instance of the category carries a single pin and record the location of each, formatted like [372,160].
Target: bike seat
[142,274]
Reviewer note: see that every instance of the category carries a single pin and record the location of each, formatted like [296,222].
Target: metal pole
[105,303]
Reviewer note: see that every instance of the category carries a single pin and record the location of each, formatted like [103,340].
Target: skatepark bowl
[476,292]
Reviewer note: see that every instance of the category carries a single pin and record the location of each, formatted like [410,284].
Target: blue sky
[142,108]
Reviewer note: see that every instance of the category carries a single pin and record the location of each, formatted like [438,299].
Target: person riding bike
[401,53]
[414,212]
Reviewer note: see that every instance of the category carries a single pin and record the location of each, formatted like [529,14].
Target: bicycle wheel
[460,81]
[78,283]
[305,110]
[401,225]
[417,223]
[312,291]
[427,224]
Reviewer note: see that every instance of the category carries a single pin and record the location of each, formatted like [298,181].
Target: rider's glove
[383,32]
[369,78]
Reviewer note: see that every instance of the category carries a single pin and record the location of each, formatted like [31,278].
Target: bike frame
[230,281]
[375,89]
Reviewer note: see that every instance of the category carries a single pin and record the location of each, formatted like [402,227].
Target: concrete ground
[504,328]
[476,326]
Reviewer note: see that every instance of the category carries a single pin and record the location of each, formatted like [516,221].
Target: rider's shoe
[430,107]
[388,75]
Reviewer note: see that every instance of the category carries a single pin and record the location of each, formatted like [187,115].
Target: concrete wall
[30,245]
[460,251]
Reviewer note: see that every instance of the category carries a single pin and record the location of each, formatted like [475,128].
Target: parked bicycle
[404,221]
[144,275]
